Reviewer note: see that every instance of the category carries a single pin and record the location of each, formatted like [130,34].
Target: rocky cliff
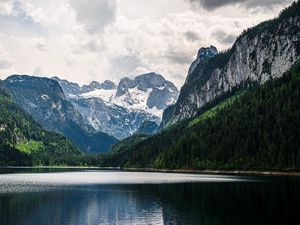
[259,54]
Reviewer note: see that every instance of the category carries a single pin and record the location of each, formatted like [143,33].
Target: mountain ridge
[120,110]
[260,53]
[45,101]
[238,109]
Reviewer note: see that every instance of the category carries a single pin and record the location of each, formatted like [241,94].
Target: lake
[88,197]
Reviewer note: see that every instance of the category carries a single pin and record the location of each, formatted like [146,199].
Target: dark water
[108,197]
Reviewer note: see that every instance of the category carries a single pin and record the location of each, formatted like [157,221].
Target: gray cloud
[191,36]
[181,58]
[214,4]
[95,14]
[94,46]
[42,47]
[222,37]
[125,64]
[18,21]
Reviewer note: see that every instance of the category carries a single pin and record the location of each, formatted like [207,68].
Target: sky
[87,40]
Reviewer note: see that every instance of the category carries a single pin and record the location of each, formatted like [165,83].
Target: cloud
[39,70]
[181,58]
[6,7]
[191,36]
[16,20]
[214,4]
[5,64]
[6,61]
[95,15]
[41,46]
[86,40]
[222,37]
[124,65]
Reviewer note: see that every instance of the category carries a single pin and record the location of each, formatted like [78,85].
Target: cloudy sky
[85,40]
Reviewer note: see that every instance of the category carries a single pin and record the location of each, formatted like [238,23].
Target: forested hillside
[256,128]
[24,142]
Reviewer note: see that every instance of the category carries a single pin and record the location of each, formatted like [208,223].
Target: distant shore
[226,172]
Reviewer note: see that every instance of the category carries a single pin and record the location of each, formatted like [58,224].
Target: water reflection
[264,201]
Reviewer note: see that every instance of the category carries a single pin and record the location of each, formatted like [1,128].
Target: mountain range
[119,110]
[238,109]
[93,116]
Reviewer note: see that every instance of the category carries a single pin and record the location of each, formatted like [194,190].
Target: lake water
[88,197]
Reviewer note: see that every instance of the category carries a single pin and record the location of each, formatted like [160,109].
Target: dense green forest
[257,128]
[24,142]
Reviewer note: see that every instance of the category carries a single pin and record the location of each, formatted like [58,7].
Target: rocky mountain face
[259,54]
[46,102]
[120,110]
[23,142]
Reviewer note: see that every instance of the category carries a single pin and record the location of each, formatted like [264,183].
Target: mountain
[261,53]
[120,110]
[147,127]
[238,109]
[45,101]
[24,142]
[256,129]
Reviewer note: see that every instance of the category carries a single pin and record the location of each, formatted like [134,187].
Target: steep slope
[256,128]
[24,142]
[259,54]
[148,127]
[45,101]
[121,110]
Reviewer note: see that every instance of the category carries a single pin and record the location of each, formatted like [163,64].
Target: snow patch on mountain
[105,95]
[120,110]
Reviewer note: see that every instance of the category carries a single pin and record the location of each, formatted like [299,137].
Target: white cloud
[98,40]
[95,15]
[6,61]
[6,7]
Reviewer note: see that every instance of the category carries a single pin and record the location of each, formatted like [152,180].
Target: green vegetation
[30,147]
[209,114]
[24,142]
[258,129]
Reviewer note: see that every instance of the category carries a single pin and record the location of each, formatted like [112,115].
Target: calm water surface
[88,197]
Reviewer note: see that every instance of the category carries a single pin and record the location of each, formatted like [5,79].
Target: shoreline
[219,172]
[183,171]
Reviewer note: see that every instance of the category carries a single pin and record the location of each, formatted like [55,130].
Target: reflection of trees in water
[81,205]
[205,203]
[232,203]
